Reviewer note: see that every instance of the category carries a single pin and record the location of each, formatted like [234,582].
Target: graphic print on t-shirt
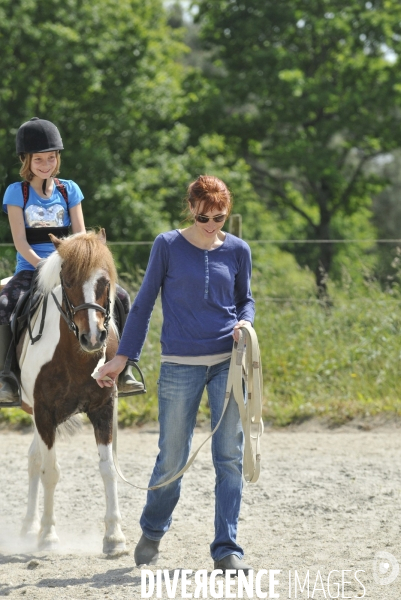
[39,216]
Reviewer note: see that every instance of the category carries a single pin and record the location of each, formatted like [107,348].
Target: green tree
[111,76]
[107,74]
[309,93]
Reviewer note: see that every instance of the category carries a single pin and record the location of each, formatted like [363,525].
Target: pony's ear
[102,235]
[55,240]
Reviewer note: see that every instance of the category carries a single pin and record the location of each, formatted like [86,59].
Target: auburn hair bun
[211,192]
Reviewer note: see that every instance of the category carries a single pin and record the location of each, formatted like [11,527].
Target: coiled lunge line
[245,370]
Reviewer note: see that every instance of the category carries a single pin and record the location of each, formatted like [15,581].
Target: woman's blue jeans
[180,393]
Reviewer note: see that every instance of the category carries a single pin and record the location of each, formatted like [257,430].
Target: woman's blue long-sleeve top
[204,294]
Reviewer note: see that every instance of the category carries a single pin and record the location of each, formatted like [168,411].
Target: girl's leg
[227,453]
[124,298]
[18,285]
[127,384]
[11,293]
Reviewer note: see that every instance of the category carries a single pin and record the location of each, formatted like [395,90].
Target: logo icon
[385,568]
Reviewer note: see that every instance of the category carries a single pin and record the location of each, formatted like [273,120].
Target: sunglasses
[204,219]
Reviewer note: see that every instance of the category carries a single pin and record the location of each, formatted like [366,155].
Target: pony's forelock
[78,254]
[82,253]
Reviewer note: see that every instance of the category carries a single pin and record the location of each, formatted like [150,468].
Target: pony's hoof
[112,546]
[50,543]
[29,531]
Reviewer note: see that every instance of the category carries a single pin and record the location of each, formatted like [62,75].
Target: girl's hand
[107,374]
[236,328]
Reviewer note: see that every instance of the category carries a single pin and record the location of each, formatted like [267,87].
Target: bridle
[71,310]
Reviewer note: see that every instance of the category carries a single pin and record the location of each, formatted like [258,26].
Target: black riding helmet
[38,135]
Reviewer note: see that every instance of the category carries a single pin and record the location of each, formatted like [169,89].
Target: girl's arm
[77,219]
[17,225]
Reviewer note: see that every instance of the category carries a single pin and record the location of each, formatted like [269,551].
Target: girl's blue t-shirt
[52,212]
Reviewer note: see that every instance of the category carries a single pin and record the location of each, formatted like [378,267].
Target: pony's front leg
[49,474]
[114,539]
[102,421]
[31,524]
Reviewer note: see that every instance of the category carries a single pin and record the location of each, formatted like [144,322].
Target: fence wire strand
[350,241]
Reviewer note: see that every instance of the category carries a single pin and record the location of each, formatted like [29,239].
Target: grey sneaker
[146,551]
[233,563]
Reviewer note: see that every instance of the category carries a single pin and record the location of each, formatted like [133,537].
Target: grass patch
[14,418]
[337,363]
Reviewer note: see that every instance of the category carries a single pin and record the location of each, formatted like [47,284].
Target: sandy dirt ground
[327,506]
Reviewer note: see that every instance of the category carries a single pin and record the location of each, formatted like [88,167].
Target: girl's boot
[128,385]
[9,387]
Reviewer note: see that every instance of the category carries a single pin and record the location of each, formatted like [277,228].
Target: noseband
[71,310]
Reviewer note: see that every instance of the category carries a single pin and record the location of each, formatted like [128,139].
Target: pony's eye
[67,284]
[101,286]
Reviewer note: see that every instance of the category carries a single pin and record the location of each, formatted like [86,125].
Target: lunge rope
[245,369]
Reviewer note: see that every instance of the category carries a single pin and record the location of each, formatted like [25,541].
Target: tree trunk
[325,256]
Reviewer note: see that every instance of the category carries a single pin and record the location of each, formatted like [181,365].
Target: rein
[71,310]
[245,366]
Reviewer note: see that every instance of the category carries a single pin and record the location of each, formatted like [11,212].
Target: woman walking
[204,276]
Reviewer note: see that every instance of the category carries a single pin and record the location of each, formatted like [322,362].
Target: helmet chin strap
[44,186]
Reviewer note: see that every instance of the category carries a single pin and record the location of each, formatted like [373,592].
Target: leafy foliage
[295,104]
[111,76]
[309,93]
[107,75]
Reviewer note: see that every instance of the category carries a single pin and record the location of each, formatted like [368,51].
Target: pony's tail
[70,427]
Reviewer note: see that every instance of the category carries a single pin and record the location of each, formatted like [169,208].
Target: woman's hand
[110,370]
[236,328]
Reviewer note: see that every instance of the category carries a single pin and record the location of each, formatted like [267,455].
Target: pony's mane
[79,255]
[49,273]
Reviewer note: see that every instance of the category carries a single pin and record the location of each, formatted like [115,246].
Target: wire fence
[344,241]
[355,241]
[282,300]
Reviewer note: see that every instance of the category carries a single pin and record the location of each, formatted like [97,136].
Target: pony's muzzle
[92,345]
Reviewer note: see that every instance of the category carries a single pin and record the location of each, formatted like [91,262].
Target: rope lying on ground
[245,369]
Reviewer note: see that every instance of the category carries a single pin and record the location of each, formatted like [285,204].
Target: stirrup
[12,381]
[142,390]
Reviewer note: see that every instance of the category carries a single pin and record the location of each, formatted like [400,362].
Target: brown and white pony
[79,278]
